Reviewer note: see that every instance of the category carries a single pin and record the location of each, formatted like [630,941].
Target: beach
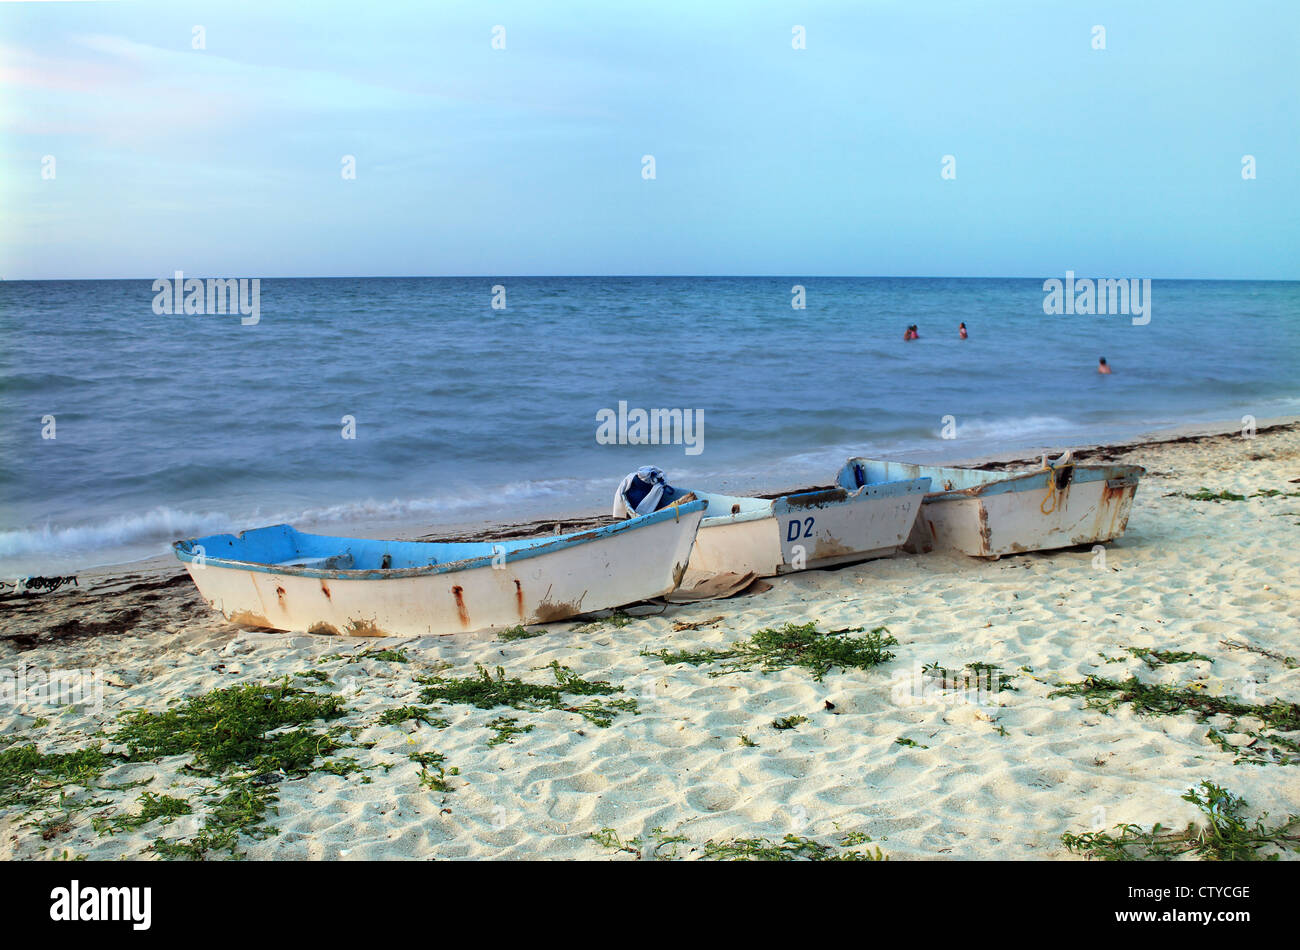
[917,764]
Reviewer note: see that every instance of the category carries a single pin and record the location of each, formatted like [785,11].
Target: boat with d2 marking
[795,532]
[278,578]
[991,514]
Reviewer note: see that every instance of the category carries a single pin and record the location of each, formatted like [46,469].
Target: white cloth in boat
[648,474]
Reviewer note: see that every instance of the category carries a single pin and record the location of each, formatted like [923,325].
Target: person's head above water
[1103,366]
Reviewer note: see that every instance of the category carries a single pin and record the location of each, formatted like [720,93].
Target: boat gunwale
[1095,473]
[184,550]
[852,496]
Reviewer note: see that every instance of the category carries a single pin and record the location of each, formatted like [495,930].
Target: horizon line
[1080,275]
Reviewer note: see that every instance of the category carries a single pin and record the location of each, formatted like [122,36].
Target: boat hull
[1024,513]
[806,530]
[549,581]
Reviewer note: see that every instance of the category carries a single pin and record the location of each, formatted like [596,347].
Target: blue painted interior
[281,549]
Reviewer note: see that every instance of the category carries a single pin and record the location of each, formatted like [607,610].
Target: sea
[398,406]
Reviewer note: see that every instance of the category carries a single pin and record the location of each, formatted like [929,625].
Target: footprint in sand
[712,797]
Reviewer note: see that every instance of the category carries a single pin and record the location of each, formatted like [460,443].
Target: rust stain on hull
[548,611]
[519,599]
[832,547]
[246,618]
[362,628]
[324,629]
[325,589]
[1113,510]
[461,612]
[986,534]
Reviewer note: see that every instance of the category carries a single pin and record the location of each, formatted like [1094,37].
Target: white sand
[1186,576]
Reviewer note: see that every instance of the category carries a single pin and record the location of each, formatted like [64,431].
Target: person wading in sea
[961,331]
[1103,367]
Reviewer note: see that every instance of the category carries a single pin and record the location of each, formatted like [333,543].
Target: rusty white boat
[795,532]
[279,578]
[990,514]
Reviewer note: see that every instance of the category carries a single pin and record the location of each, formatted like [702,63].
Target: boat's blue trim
[264,549]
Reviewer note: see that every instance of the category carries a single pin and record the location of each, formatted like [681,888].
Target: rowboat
[989,514]
[795,532]
[278,578]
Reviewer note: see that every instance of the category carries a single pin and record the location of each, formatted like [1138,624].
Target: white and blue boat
[994,513]
[278,578]
[768,536]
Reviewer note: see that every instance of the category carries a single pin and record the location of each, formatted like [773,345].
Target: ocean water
[172,425]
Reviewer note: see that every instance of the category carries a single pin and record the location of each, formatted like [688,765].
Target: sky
[228,160]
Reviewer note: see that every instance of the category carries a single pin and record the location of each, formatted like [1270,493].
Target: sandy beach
[988,774]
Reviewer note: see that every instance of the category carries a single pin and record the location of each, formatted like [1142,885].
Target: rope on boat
[1052,495]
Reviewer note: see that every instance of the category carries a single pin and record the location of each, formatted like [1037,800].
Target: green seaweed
[800,645]
[506,728]
[790,848]
[1157,658]
[1226,836]
[233,727]
[1204,494]
[163,808]
[401,714]
[659,845]
[789,722]
[240,736]
[616,619]
[432,772]
[488,692]
[29,776]
[973,676]
[1149,699]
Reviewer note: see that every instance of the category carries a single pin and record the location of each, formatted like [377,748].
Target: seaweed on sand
[1226,835]
[801,645]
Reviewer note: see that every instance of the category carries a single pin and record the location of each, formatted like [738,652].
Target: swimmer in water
[1103,367]
[961,331]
